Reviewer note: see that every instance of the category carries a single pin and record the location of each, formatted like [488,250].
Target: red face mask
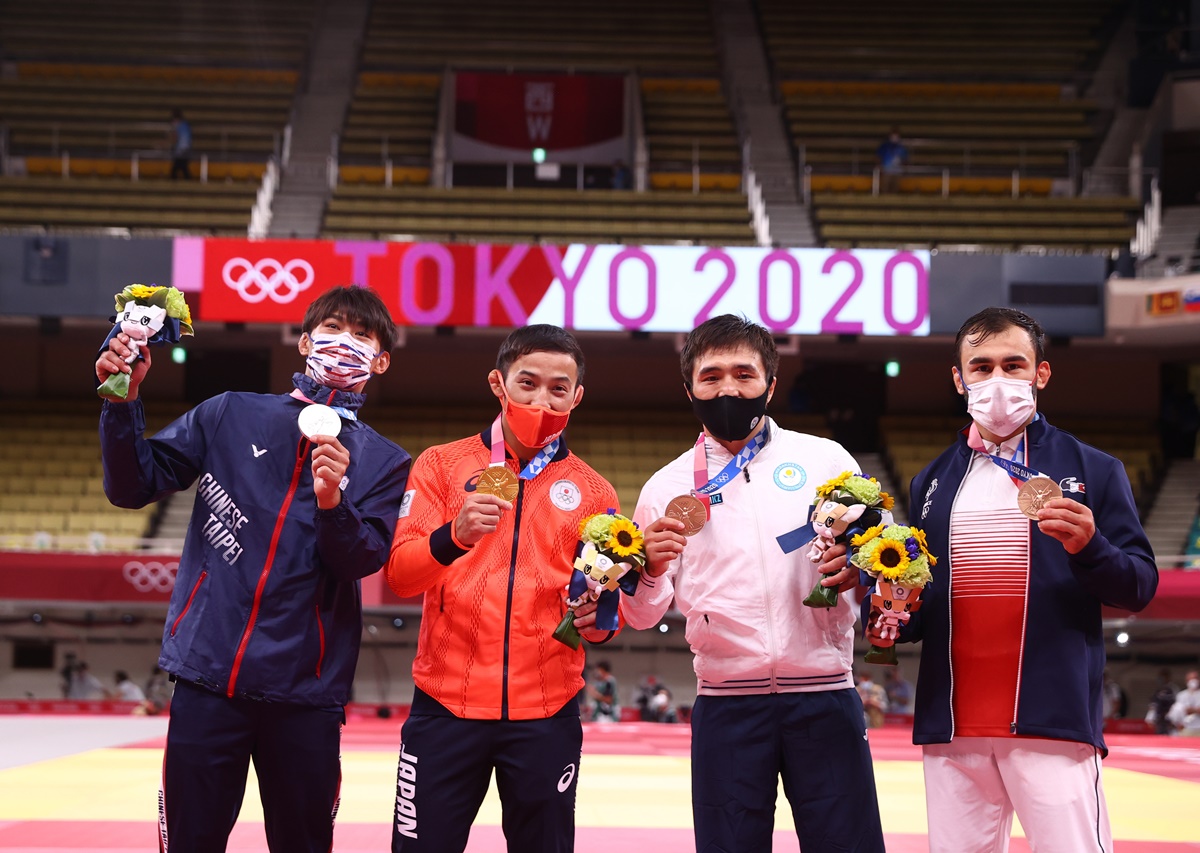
[533,426]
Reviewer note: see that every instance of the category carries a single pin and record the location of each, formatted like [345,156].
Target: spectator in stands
[874,699]
[1161,702]
[84,685]
[774,682]
[492,550]
[127,691]
[899,691]
[1185,711]
[603,692]
[1008,703]
[181,145]
[263,628]
[620,176]
[892,155]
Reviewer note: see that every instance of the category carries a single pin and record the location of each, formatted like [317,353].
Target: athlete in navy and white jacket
[263,629]
[1008,702]
[1062,668]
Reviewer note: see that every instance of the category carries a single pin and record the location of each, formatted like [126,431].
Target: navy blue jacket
[1062,666]
[267,603]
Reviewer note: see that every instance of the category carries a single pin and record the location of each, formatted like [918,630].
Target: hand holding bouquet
[147,315]
[845,506]
[608,559]
[898,558]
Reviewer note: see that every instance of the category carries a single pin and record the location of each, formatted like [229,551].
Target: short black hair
[728,332]
[122,675]
[541,337]
[360,306]
[992,321]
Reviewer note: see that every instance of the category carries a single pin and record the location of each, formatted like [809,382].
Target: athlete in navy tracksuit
[1063,649]
[263,628]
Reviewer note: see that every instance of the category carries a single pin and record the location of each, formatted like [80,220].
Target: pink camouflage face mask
[340,361]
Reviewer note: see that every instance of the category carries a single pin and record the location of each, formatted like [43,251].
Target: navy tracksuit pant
[817,742]
[445,766]
[210,742]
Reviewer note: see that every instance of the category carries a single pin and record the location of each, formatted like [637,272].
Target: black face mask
[731,418]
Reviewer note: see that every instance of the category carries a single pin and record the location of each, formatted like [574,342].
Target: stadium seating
[393,116]
[113,202]
[933,39]
[560,216]
[265,33]
[977,93]
[848,219]
[52,496]
[92,97]
[688,126]
[665,36]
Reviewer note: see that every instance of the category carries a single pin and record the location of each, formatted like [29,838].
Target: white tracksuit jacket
[741,594]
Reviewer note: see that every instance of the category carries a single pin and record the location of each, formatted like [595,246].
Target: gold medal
[690,510]
[1034,493]
[499,481]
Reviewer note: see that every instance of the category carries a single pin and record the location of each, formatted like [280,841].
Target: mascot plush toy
[846,506]
[608,561]
[148,315]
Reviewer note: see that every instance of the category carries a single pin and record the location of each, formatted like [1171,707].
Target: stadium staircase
[1174,510]
[748,86]
[320,110]
[1178,250]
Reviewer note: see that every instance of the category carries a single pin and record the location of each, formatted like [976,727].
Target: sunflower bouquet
[845,506]
[608,560]
[148,314]
[898,558]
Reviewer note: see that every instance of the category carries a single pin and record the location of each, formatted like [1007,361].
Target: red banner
[122,578]
[127,578]
[526,111]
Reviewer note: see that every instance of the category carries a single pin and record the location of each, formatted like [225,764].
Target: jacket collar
[560,454]
[318,393]
[1035,434]
[717,451]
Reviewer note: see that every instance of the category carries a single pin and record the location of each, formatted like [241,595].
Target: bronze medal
[691,511]
[1034,493]
[499,481]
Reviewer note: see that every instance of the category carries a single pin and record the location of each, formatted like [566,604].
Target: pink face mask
[1001,405]
[340,361]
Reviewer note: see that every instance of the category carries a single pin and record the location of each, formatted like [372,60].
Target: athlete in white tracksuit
[776,695]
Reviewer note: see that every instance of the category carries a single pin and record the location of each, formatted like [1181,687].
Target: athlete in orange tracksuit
[494,690]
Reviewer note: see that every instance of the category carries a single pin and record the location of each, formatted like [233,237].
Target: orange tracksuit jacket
[485,650]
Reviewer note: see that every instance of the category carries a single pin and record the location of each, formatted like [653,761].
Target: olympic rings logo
[254,282]
[150,576]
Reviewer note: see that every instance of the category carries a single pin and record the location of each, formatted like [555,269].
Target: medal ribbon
[1017,472]
[345,413]
[706,487]
[536,464]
